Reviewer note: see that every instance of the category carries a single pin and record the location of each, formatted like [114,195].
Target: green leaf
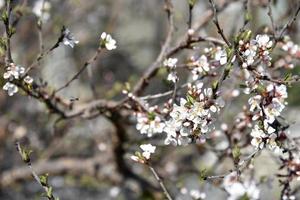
[50,192]
[215,86]
[288,77]
[203,174]
[236,153]
[151,116]
[44,179]
[190,99]
[192,2]
[25,153]
[4,16]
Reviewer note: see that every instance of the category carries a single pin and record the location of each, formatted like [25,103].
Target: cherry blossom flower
[170,62]
[28,80]
[263,41]
[290,47]
[172,76]
[193,193]
[149,124]
[69,39]
[202,66]
[221,56]
[107,41]
[13,72]
[192,118]
[237,189]
[10,88]
[147,149]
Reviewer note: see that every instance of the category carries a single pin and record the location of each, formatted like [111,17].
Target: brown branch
[86,64]
[8,31]
[161,183]
[288,25]
[216,21]
[58,166]
[151,71]
[270,14]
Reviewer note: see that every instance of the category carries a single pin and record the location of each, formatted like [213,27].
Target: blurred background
[81,155]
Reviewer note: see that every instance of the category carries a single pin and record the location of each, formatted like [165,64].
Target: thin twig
[216,21]
[8,58]
[270,14]
[161,184]
[86,64]
[151,71]
[290,22]
[34,174]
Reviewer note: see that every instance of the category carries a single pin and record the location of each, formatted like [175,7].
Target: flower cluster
[193,117]
[14,72]
[238,190]
[266,106]
[143,157]
[171,64]
[258,48]
[149,123]
[107,41]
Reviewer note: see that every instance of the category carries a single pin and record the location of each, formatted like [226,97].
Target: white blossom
[172,76]
[202,66]
[107,41]
[263,41]
[69,39]
[221,55]
[192,118]
[149,125]
[197,195]
[237,190]
[28,79]
[290,47]
[10,88]
[13,72]
[170,62]
[148,149]
[254,102]
[41,9]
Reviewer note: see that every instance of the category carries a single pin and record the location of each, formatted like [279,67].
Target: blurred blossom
[69,39]
[148,149]
[13,72]
[170,62]
[41,9]
[10,88]
[221,56]
[2,2]
[240,190]
[28,80]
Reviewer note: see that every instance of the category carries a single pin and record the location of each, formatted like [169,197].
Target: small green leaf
[190,99]
[151,116]
[25,153]
[44,179]
[236,153]
[50,192]
[192,2]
